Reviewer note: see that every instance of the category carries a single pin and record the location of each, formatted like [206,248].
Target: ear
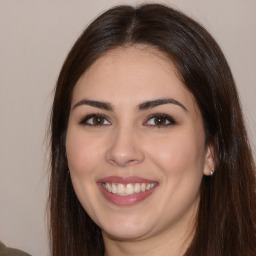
[209,164]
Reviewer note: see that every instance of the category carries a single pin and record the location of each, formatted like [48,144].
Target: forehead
[139,72]
[132,56]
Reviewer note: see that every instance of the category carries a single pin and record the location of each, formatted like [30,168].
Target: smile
[127,189]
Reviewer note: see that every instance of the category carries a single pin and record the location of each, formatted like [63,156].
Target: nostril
[123,162]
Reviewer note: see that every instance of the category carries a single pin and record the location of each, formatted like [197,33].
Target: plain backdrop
[35,37]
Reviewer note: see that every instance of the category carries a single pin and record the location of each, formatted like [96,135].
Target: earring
[212,172]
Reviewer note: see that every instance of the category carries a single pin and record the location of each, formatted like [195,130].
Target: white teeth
[114,189]
[137,188]
[129,189]
[120,189]
[108,187]
[143,187]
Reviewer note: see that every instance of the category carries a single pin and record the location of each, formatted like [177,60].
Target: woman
[149,151]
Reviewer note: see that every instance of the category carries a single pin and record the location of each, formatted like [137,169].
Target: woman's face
[136,145]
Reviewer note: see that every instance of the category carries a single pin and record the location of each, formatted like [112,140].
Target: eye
[95,120]
[160,120]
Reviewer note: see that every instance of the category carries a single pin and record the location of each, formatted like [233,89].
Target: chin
[123,230]
[127,234]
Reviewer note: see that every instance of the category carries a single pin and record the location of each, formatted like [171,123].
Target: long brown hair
[226,223]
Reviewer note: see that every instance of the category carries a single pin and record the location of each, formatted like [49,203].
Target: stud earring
[212,172]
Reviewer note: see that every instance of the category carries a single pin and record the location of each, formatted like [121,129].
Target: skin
[130,142]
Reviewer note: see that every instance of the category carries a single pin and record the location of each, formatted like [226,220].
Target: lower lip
[128,200]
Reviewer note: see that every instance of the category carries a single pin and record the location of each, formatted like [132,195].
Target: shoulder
[5,251]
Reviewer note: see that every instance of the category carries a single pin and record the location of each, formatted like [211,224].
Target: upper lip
[125,180]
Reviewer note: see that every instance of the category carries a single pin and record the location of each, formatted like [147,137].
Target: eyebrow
[143,106]
[154,103]
[98,104]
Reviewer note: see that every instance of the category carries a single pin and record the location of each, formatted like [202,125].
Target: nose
[124,148]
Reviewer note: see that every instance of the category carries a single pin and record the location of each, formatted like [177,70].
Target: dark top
[5,251]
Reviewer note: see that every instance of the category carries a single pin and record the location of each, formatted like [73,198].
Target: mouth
[126,191]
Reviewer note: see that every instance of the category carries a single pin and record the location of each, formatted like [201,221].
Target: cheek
[178,154]
[83,156]
[83,152]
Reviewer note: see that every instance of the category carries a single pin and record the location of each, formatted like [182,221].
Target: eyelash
[85,120]
[159,116]
[162,117]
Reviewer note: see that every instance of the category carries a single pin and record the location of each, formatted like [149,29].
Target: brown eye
[95,120]
[98,120]
[160,120]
